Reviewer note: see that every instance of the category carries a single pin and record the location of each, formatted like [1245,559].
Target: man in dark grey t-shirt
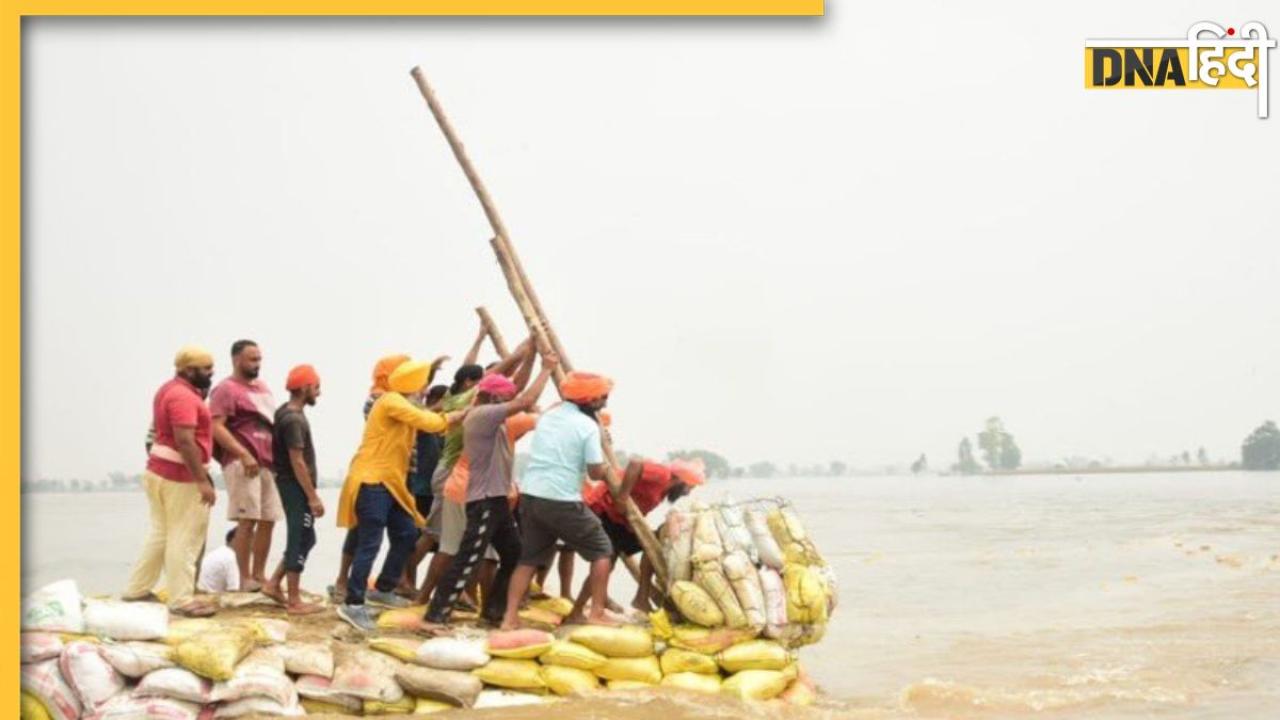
[489,518]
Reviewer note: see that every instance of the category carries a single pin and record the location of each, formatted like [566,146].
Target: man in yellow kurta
[376,497]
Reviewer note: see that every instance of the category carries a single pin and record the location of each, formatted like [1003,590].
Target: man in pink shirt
[179,489]
[243,412]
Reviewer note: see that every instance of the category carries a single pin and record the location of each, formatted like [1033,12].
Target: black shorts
[544,522]
[623,540]
[423,502]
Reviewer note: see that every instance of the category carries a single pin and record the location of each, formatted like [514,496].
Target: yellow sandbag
[806,595]
[540,618]
[693,682]
[32,709]
[675,660]
[661,623]
[695,604]
[625,685]
[796,546]
[215,655]
[514,674]
[564,680]
[645,669]
[409,618]
[570,654]
[801,691]
[403,706]
[68,638]
[754,655]
[423,706]
[755,685]
[402,649]
[711,577]
[558,605]
[186,628]
[266,631]
[708,640]
[628,641]
[320,707]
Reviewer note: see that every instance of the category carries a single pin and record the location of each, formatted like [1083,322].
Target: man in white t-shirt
[219,571]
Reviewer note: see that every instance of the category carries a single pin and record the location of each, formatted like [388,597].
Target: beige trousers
[179,522]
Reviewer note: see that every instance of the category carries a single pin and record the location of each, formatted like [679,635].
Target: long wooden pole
[500,345]
[535,317]
[495,336]
[486,202]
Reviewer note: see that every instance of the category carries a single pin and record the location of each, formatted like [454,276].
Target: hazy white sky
[848,238]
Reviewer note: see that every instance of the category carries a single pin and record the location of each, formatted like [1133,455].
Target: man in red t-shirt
[243,414]
[179,489]
[648,483]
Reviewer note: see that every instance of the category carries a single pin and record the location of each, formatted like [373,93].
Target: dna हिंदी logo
[1210,57]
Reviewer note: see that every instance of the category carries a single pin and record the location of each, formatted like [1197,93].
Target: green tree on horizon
[998,446]
[1261,450]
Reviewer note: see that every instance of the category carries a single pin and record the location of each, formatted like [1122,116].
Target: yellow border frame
[11,15]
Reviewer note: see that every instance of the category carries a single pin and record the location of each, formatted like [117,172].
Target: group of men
[434,473]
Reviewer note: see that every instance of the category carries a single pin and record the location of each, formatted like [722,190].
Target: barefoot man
[294,455]
[566,446]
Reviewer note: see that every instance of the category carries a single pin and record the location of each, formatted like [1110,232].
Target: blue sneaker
[358,617]
[386,599]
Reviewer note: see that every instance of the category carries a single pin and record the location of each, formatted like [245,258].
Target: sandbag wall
[748,566]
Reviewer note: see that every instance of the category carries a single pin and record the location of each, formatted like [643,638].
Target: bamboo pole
[534,316]
[499,345]
[486,202]
[495,337]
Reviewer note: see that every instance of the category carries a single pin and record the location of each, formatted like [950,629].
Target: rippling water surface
[1104,596]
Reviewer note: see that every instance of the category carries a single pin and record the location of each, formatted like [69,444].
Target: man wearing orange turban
[376,494]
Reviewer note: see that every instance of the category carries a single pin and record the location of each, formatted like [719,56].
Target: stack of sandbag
[749,567]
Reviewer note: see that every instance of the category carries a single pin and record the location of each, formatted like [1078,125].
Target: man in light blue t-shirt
[565,449]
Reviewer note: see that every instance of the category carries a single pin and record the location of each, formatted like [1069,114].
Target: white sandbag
[677,543]
[828,575]
[44,681]
[453,653]
[735,524]
[745,580]
[306,658]
[135,659]
[767,548]
[38,646]
[127,707]
[707,544]
[507,698]
[174,683]
[368,675]
[775,602]
[261,674]
[257,706]
[54,607]
[316,687]
[126,620]
[728,541]
[91,677]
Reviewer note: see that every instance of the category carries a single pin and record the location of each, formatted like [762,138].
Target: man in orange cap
[566,446]
[294,456]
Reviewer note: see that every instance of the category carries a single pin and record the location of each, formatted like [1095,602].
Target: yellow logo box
[1162,68]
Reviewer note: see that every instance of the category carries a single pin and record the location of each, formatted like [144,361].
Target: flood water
[1101,596]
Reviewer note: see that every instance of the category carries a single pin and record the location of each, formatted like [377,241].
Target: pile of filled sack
[748,566]
[747,587]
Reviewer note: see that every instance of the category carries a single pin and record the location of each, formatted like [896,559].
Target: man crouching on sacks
[566,446]
[647,484]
